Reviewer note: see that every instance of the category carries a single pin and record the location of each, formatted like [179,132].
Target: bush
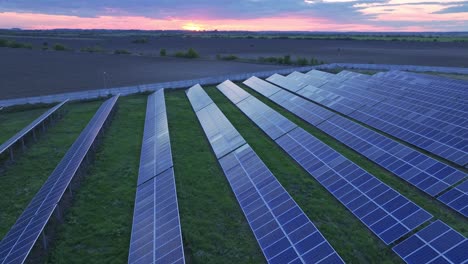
[162,52]
[15,45]
[59,47]
[190,54]
[287,59]
[4,43]
[121,51]
[302,61]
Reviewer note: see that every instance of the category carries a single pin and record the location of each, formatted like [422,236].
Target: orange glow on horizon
[192,27]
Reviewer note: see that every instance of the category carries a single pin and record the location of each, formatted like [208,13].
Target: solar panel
[285,234]
[437,243]
[156,155]
[197,98]
[34,124]
[308,79]
[156,231]
[289,83]
[457,198]
[383,210]
[237,95]
[220,133]
[19,241]
[427,174]
[439,138]
[261,86]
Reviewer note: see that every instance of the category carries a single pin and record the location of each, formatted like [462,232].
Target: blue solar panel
[222,135]
[197,97]
[383,210]
[437,243]
[237,95]
[288,83]
[18,242]
[457,198]
[387,213]
[426,173]
[156,155]
[37,122]
[437,136]
[262,87]
[285,234]
[156,232]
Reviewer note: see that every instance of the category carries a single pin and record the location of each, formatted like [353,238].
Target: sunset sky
[255,15]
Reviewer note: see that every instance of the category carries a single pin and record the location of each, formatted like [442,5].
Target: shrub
[302,61]
[287,59]
[121,51]
[4,43]
[162,52]
[59,47]
[190,54]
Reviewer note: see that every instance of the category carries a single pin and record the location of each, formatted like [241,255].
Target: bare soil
[36,72]
[27,73]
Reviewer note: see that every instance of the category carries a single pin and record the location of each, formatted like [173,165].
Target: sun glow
[192,27]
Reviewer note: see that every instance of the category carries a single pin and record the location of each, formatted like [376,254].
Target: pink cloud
[279,23]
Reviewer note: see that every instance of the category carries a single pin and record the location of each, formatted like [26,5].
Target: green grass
[98,224]
[25,177]
[352,240]
[214,228]
[12,122]
[436,208]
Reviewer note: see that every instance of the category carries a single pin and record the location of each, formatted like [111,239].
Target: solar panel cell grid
[457,198]
[437,243]
[283,230]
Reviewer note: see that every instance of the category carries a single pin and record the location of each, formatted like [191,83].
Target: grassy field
[98,224]
[13,122]
[25,176]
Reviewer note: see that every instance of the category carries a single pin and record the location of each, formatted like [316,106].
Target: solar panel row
[437,243]
[387,213]
[16,245]
[367,101]
[451,85]
[427,174]
[29,128]
[424,172]
[285,234]
[385,89]
[435,121]
[457,198]
[156,230]
[381,116]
